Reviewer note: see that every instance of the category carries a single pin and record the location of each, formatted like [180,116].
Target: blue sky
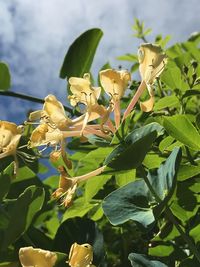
[35,35]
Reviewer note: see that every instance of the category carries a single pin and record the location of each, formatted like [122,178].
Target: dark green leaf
[189,93]
[79,57]
[21,214]
[165,180]
[5,79]
[130,153]
[80,231]
[130,202]
[140,260]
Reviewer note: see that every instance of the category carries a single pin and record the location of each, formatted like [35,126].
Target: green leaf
[25,178]
[130,202]
[161,251]
[140,260]
[21,214]
[128,57]
[165,181]
[5,180]
[172,77]
[94,184]
[130,153]
[180,127]
[152,161]
[167,102]
[81,231]
[79,208]
[80,54]
[165,143]
[5,79]
[198,121]
[187,171]
[125,178]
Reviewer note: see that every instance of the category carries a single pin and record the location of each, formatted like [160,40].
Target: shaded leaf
[140,260]
[28,204]
[5,79]
[130,202]
[80,54]
[80,231]
[130,153]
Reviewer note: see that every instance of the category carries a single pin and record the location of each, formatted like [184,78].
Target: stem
[29,98]
[172,218]
[134,100]
[89,175]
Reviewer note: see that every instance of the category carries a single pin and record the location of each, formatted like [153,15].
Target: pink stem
[134,100]
[86,176]
[117,114]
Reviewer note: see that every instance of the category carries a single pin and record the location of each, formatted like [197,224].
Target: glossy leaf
[5,79]
[130,153]
[180,127]
[140,260]
[80,54]
[130,202]
[165,180]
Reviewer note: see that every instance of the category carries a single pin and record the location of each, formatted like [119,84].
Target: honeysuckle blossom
[67,185]
[152,62]
[10,135]
[81,255]
[114,83]
[30,256]
[54,127]
[83,92]
[66,189]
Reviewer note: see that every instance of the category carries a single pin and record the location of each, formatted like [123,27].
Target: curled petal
[30,256]
[152,62]
[81,255]
[83,92]
[114,82]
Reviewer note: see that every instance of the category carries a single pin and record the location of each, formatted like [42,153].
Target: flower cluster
[54,126]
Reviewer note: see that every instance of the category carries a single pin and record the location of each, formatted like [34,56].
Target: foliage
[131,191]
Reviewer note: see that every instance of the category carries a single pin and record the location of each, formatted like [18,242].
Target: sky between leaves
[35,35]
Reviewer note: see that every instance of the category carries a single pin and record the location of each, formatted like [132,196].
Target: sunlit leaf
[180,127]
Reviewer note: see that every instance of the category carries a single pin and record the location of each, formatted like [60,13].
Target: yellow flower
[81,255]
[83,92]
[30,256]
[53,114]
[66,188]
[152,61]
[10,135]
[114,82]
